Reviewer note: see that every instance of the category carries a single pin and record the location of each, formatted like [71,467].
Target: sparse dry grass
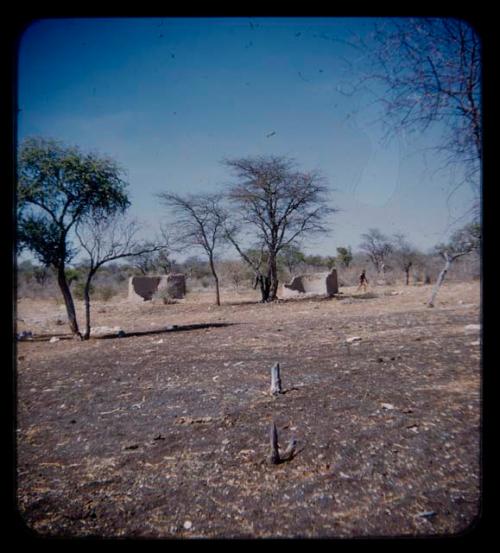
[136,436]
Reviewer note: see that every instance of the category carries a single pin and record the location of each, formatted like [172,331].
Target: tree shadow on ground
[243,302]
[123,334]
[356,296]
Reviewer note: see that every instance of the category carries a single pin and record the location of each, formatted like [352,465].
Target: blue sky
[169,98]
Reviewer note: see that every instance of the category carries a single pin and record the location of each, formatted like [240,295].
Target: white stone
[101,330]
[312,284]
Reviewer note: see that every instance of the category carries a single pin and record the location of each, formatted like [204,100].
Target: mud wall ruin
[314,284]
[143,288]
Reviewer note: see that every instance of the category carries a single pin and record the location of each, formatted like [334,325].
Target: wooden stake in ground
[289,453]
[275,456]
[275,380]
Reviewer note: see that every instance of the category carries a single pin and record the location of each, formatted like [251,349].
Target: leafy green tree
[72,275]
[291,257]
[344,256]
[57,186]
[320,261]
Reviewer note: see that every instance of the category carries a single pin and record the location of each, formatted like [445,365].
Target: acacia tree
[199,223]
[463,241]
[234,271]
[279,204]
[292,257]
[377,246]
[106,239]
[58,186]
[156,259]
[428,70]
[145,262]
[344,256]
[164,261]
[255,258]
[405,255]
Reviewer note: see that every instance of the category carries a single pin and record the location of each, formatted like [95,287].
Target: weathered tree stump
[274,458]
[276,380]
[289,451]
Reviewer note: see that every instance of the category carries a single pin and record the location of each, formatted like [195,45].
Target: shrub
[78,288]
[164,296]
[205,282]
[105,293]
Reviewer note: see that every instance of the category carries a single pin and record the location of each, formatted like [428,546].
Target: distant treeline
[37,281]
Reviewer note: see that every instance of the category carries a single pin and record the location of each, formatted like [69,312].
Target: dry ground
[165,432]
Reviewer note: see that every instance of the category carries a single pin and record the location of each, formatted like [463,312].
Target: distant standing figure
[363,281]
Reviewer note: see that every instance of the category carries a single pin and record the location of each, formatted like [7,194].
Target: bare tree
[279,204]
[164,260]
[145,262]
[157,260]
[405,255]
[426,71]
[107,239]
[254,257]
[235,271]
[463,242]
[378,247]
[199,223]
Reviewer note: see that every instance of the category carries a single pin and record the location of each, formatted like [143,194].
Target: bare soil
[164,433]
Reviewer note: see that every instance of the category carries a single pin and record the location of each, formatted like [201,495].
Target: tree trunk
[216,278]
[68,301]
[274,457]
[440,280]
[265,286]
[217,291]
[407,272]
[273,278]
[86,300]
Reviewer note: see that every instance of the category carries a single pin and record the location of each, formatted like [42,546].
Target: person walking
[363,281]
